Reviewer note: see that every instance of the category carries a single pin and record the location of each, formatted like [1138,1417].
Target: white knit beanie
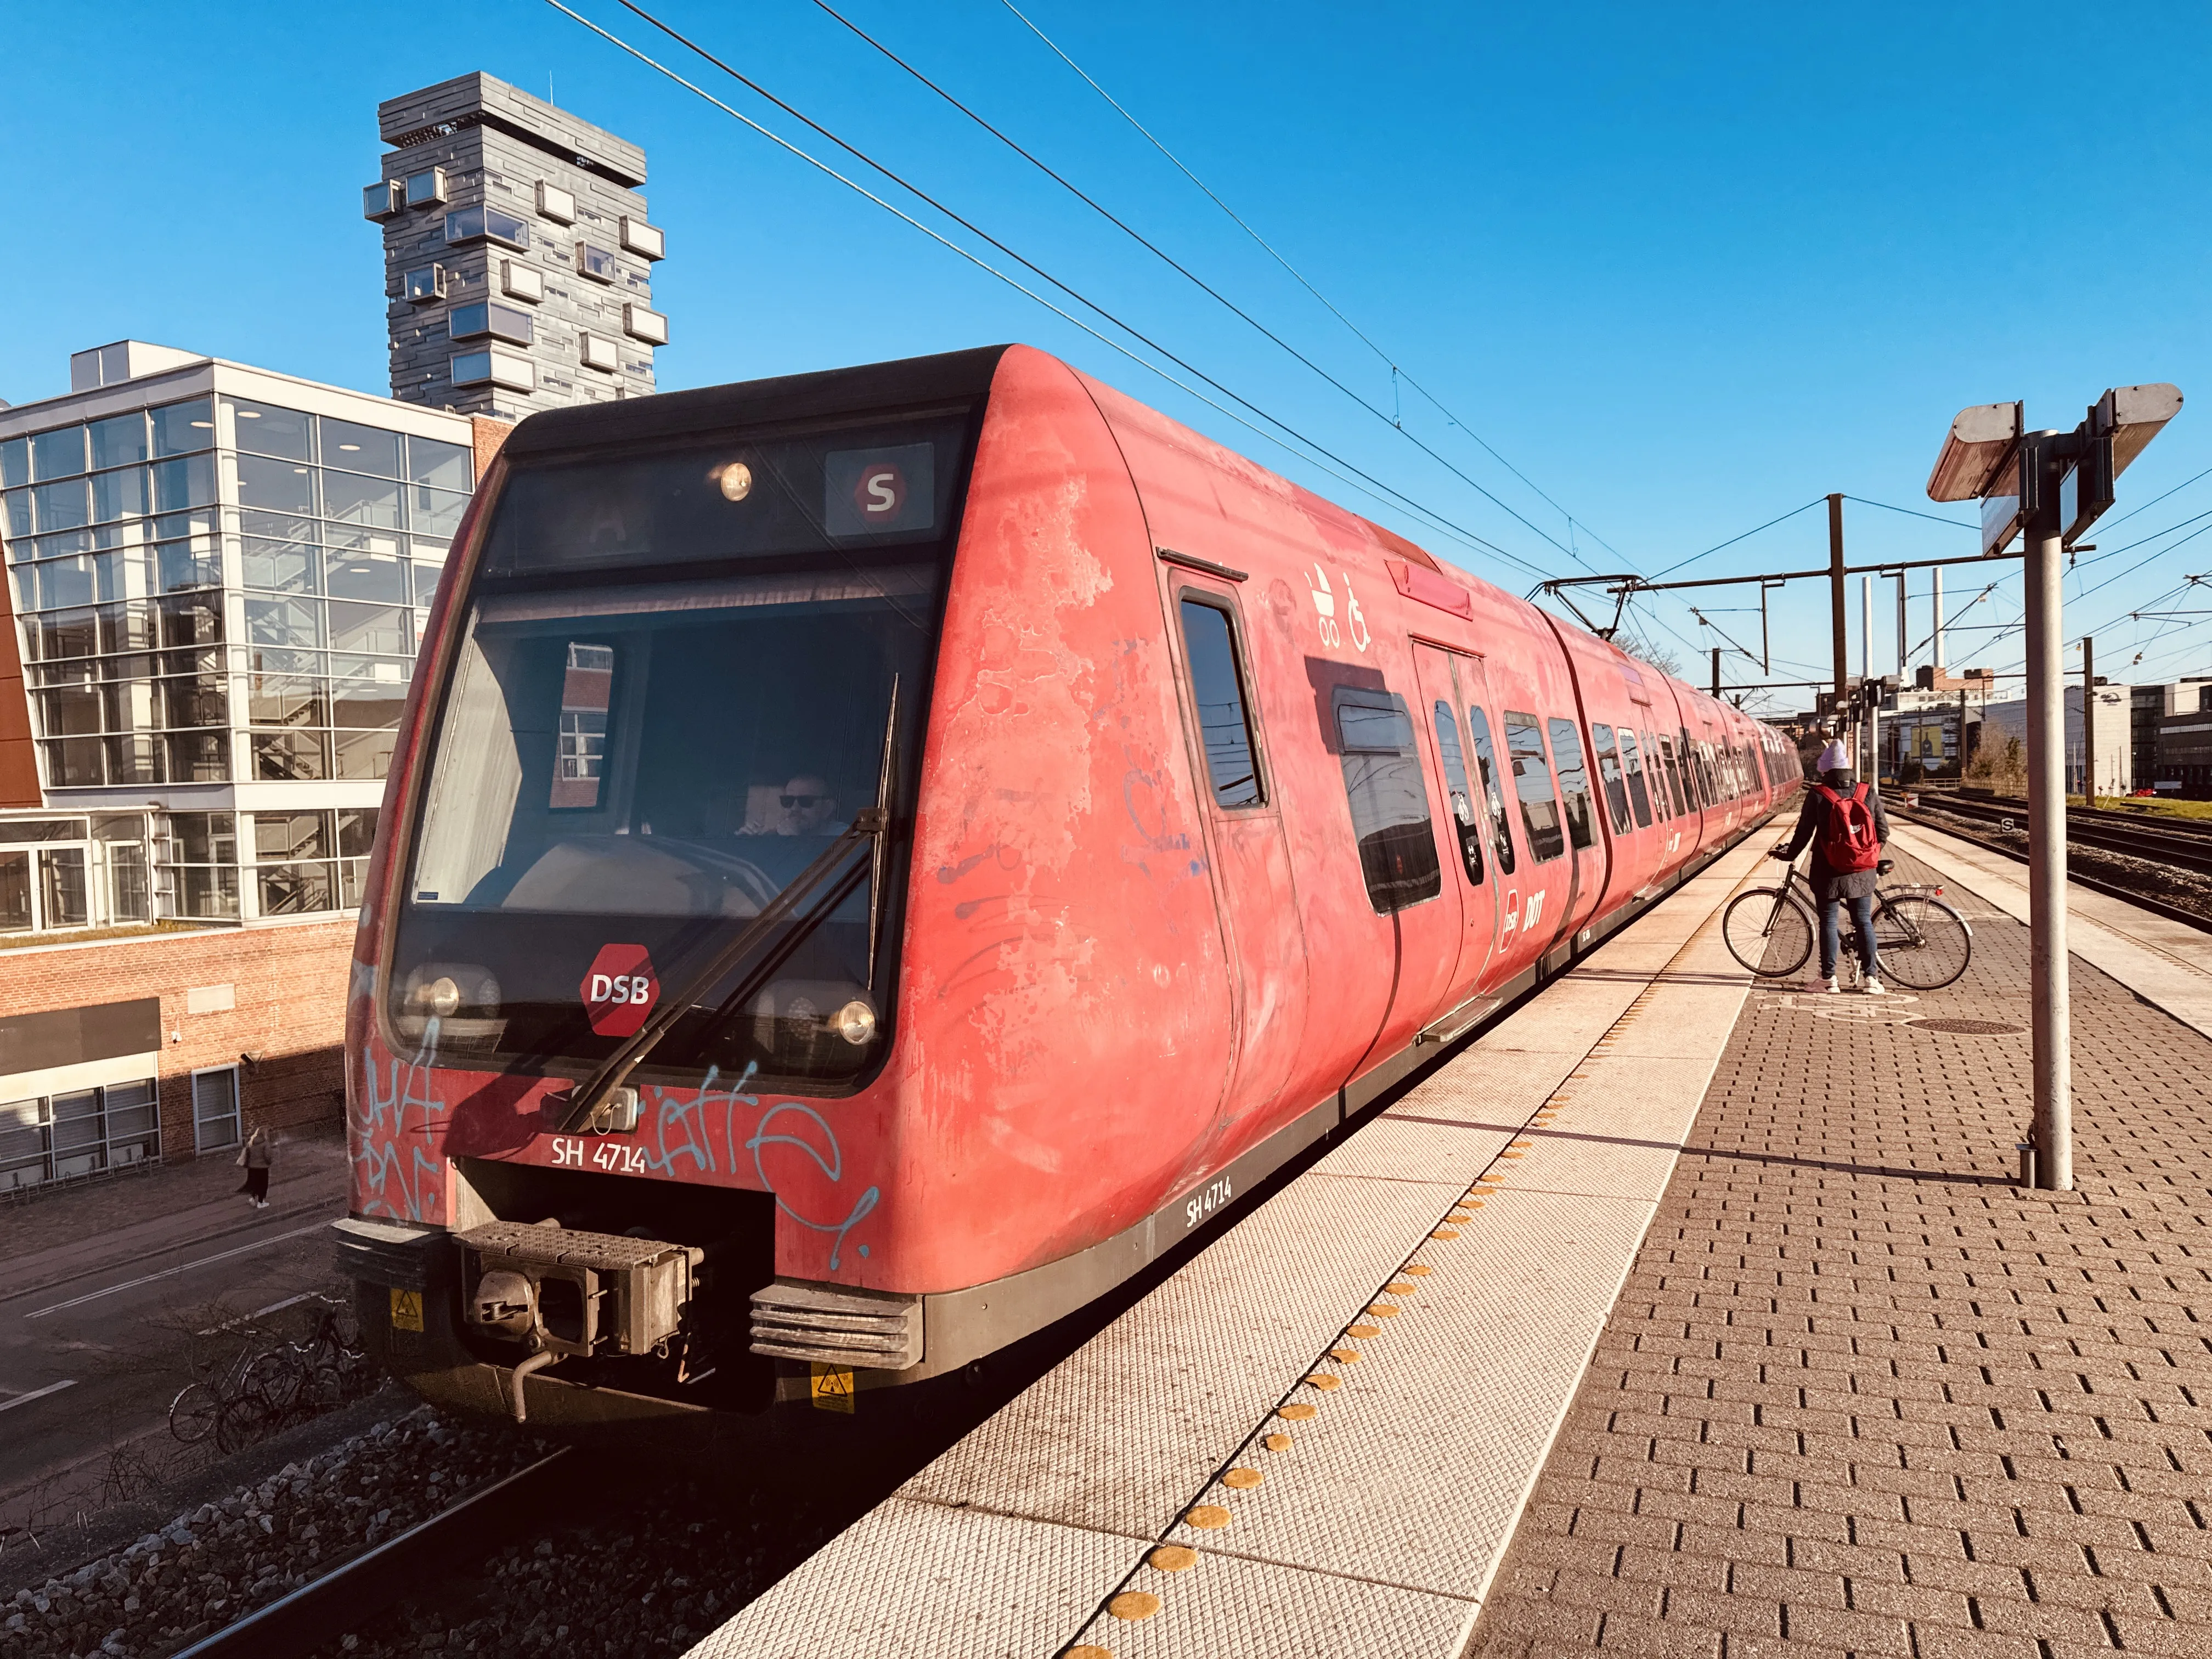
[1834,759]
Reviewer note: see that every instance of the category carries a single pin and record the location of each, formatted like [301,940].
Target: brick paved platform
[1862,1395]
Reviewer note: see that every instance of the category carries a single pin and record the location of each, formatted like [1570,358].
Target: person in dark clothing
[1835,888]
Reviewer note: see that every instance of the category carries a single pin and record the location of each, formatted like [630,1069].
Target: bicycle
[1920,942]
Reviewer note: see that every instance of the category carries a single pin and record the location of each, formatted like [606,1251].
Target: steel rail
[2153,844]
[1920,815]
[356,1590]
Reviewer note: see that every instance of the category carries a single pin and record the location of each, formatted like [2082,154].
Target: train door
[1541,888]
[1449,681]
[1261,936]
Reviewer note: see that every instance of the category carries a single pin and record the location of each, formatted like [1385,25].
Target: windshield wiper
[870,824]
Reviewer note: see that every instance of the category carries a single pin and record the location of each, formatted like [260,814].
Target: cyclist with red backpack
[1846,827]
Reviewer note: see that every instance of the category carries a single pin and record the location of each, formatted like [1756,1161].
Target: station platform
[1673,1314]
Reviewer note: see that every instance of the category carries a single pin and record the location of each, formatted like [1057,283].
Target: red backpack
[1848,842]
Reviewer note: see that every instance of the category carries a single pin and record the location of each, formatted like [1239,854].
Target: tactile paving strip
[879,1590]
[1227,1608]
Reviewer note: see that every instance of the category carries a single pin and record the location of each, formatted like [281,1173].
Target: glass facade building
[217,577]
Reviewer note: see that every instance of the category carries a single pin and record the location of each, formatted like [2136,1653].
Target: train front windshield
[680,675]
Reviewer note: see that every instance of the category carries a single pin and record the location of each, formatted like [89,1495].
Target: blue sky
[1685,269]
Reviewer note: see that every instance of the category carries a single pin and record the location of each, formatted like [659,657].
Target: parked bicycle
[259,1390]
[1921,943]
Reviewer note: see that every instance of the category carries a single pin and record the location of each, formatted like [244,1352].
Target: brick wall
[288,986]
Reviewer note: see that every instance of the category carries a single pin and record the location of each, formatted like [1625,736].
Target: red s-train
[876,857]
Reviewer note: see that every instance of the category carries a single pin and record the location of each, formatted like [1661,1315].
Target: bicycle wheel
[241,1422]
[1768,931]
[1922,943]
[193,1414]
[273,1380]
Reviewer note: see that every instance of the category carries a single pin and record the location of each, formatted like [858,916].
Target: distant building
[518,257]
[217,582]
[2112,724]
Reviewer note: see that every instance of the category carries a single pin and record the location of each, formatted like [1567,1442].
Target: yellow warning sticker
[406,1311]
[832,1389]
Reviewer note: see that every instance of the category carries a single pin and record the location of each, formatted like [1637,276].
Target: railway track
[354,1591]
[1945,817]
[2111,832]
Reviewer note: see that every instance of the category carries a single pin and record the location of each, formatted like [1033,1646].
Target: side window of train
[1632,761]
[1574,782]
[1676,789]
[1217,690]
[1486,765]
[1389,801]
[1466,825]
[1532,782]
[1610,779]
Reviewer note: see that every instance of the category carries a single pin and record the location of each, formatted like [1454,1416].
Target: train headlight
[736,479]
[440,997]
[461,998]
[855,1022]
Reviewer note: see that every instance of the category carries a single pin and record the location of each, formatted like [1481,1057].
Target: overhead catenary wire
[1199,282]
[1745,536]
[1379,490]
[1397,373]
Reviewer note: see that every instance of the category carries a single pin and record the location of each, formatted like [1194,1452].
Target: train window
[1574,782]
[1217,689]
[1485,761]
[1532,782]
[581,746]
[1609,777]
[1465,824]
[1675,788]
[1632,764]
[1389,801]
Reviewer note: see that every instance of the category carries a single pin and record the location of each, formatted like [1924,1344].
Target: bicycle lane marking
[37,1394]
[182,1268]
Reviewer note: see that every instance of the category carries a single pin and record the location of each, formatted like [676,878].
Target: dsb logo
[619,989]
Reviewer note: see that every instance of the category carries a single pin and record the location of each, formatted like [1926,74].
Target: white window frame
[644,323]
[599,352]
[647,242]
[384,201]
[520,280]
[434,195]
[556,204]
[200,1144]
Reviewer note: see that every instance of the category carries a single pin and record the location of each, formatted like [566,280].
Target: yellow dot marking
[1088,1651]
[1384,1309]
[1364,1330]
[1134,1604]
[1344,1356]
[1510,1154]
[1297,1411]
[1523,1146]
[1472,1203]
[1459,1215]
[1174,1558]
[1207,1516]
[1445,1232]
[1489,1181]
[1276,1441]
[1324,1382]
[1399,1287]
[1418,1269]
[1242,1480]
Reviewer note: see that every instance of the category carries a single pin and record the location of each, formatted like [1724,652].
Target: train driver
[808,808]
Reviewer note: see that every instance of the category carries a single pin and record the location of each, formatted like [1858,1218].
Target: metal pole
[1717,671]
[2046,844]
[1838,623]
[1937,613]
[2088,721]
[1903,645]
[1866,627]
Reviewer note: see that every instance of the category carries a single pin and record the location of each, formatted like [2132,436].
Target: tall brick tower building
[518,258]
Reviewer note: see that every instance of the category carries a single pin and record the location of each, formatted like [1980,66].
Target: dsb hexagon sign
[619,989]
